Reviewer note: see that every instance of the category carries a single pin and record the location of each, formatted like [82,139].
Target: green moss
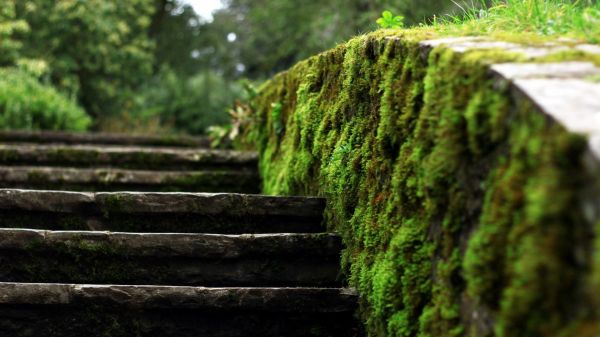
[452,199]
[88,260]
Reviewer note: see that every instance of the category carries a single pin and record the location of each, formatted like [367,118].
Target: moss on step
[458,205]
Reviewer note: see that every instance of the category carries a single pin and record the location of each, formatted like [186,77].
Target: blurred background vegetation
[155,66]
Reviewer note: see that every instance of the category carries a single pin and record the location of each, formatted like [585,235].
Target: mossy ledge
[459,200]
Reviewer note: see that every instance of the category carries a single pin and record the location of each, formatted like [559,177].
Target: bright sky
[205,8]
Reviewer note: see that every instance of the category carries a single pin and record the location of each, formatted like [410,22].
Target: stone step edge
[108,175]
[205,246]
[87,154]
[129,180]
[233,204]
[102,138]
[309,300]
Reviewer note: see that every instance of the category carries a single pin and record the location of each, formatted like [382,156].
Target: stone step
[184,259]
[54,137]
[146,158]
[110,179]
[221,213]
[94,310]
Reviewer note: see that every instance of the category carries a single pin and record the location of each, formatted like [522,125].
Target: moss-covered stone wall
[459,205]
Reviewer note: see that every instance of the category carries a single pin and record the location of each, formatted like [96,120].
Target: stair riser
[160,212]
[48,178]
[233,186]
[51,137]
[78,266]
[68,310]
[183,259]
[53,321]
[142,159]
[130,165]
[160,222]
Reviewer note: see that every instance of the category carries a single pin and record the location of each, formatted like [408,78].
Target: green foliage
[98,51]
[10,29]
[189,104]
[388,20]
[577,19]
[272,35]
[458,208]
[27,104]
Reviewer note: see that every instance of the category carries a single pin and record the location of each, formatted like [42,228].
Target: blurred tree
[199,60]
[97,50]
[175,31]
[10,30]
[189,104]
[272,35]
[157,60]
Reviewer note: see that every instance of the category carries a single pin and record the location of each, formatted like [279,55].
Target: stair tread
[206,246]
[124,179]
[124,156]
[324,300]
[154,202]
[159,263]
[101,138]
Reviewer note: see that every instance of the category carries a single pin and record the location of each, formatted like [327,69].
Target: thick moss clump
[459,205]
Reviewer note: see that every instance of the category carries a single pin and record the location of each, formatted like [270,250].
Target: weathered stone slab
[464,44]
[48,137]
[567,92]
[110,179]
[206,246]
[160,212]
[155,202]
[51,201]
[121,311]
[324,300]
[126,157]
[560,70]
[182,259]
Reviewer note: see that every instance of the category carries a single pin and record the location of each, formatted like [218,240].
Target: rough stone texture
[153,222]
[137,202]
[118,179]
[48,137]
[183,259]
[563,91]
[160,212]
[81,267]
[207,246]
[566,91]
[561,70]
[54,201]
[125,157]
[463,44]
[69,310]
[299,300]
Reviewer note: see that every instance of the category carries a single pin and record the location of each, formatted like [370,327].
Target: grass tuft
[579,19]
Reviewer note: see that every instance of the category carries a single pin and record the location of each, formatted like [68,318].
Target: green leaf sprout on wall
[388,20]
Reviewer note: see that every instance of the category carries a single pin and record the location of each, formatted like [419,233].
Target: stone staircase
[66,165]
[77,262]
